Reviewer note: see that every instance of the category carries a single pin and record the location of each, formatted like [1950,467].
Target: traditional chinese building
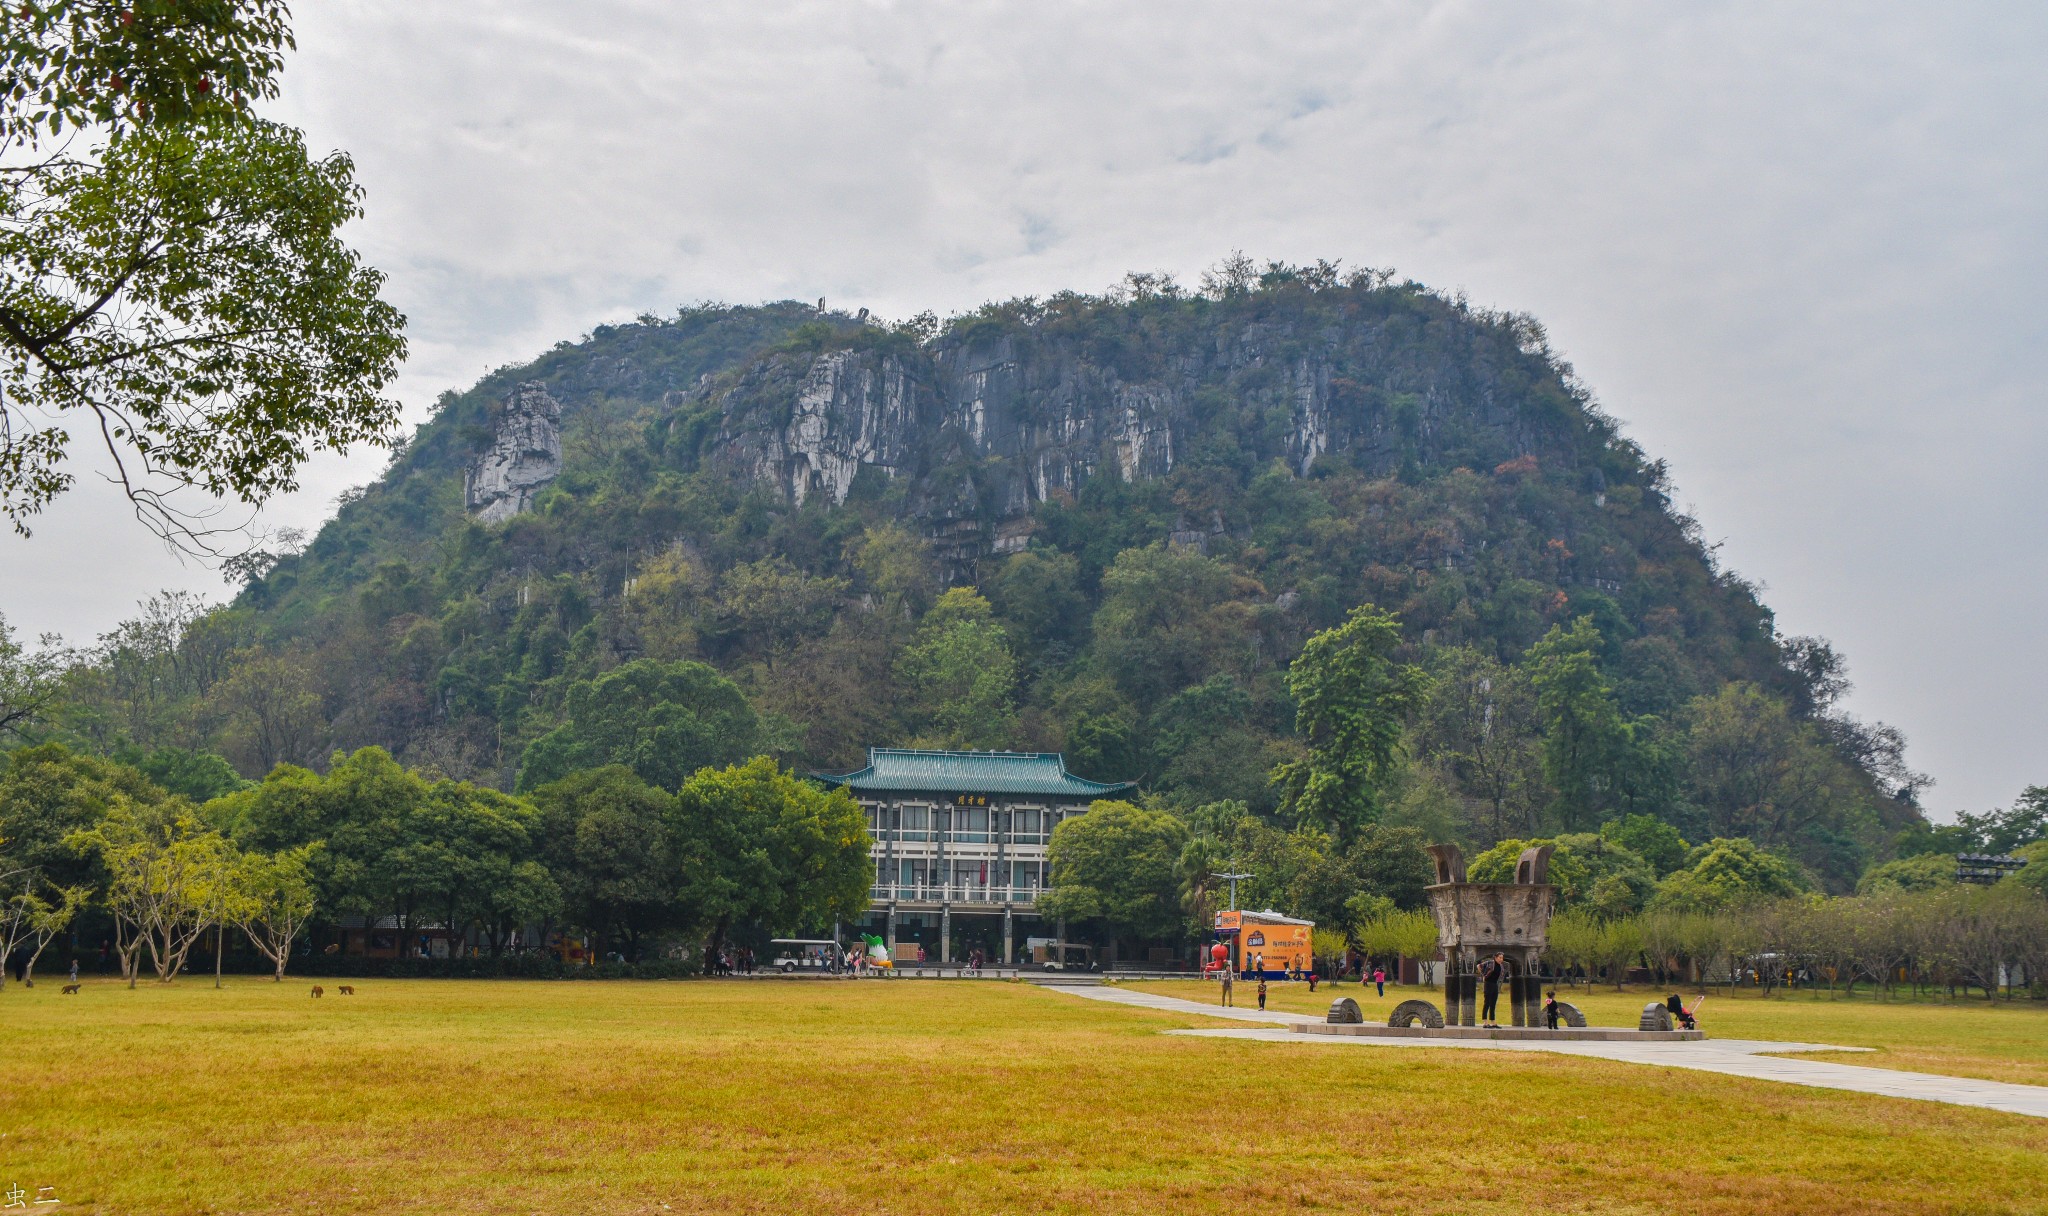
[960,840]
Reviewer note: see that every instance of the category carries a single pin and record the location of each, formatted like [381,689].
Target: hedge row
[508,967]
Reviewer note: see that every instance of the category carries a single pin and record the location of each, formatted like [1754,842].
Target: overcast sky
[1798,250]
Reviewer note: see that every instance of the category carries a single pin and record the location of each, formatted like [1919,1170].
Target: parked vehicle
[809,954]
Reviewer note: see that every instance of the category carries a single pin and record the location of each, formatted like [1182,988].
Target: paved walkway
[1762,1060]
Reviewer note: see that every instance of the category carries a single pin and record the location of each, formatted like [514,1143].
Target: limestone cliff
[525,455]
[988,426]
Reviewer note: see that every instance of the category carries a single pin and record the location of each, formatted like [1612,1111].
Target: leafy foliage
[171,278]
[662,720]
[1117,864]
[1351,701]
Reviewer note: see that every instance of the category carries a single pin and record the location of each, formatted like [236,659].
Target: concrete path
[1758,1059]
[1248,1012]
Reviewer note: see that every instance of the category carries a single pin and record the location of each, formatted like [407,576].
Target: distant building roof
[896,770]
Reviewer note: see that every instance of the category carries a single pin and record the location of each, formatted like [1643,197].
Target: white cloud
[1798,249]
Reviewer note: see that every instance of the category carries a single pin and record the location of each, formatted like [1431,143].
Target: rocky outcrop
[525,455]
[973,433]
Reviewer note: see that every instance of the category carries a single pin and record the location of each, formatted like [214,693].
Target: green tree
[30,681]
[757,844]
[1478,721]
[277,897]
[166,874]
[274,708]
[1168,618]
[1118,864]
[199,776]
[459,852]
[1760,773]
[1205,751]
[662,720]
[660,607]
[361,811]
[171,278]
[2003,831]
[1039,591]
[48,793]
[1649,838]
[1727,873]
[961,675]
[1585,739]
[2034,875]
[606,840]
[1352,698]
[1390,933]
[896,565]
[1391,862]
[770,605]
[1590,872]
[1926,872]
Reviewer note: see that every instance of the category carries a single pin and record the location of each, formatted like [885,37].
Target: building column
[1007,949]
[945,933]
[891,931]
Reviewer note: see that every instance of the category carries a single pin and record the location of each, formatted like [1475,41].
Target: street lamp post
[1232,878]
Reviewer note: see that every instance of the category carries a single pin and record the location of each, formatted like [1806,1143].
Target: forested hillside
[1102,525]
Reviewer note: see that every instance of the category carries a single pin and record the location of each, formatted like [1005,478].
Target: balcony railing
[956,893]
[925,836]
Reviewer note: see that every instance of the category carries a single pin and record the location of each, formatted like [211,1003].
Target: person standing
[1379,979]
[1262,993]
[1226,986]
[1551,1012]
[74,970]
[1490,972]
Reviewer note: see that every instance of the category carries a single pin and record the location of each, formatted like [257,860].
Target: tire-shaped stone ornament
[1656,1016]
[1345,1011]
[1571,1015]
[1409,1013]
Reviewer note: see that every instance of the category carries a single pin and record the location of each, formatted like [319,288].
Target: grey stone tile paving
[1758,1059]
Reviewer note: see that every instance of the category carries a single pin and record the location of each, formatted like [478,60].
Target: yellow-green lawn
[1996,1040]
[905,1097]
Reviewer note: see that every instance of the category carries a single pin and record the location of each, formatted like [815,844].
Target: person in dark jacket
[1491,972]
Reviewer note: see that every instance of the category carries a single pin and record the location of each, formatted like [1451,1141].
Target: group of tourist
[732,960]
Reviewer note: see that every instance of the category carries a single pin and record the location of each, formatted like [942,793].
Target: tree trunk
[220,932]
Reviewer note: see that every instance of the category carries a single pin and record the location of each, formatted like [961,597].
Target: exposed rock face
[525,455]
[988,427]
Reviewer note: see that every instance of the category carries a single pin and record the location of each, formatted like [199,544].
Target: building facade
[960,842]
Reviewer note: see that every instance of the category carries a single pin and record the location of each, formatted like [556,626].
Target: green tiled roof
[894,770]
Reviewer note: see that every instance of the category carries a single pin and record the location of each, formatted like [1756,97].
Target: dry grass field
[908,1097]
[1996,1040]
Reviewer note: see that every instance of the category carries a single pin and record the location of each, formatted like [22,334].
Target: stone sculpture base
[1602,1034]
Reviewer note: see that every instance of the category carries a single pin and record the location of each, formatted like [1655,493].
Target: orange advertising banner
[1274,948]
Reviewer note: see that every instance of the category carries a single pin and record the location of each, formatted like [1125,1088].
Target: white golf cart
[801,954]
